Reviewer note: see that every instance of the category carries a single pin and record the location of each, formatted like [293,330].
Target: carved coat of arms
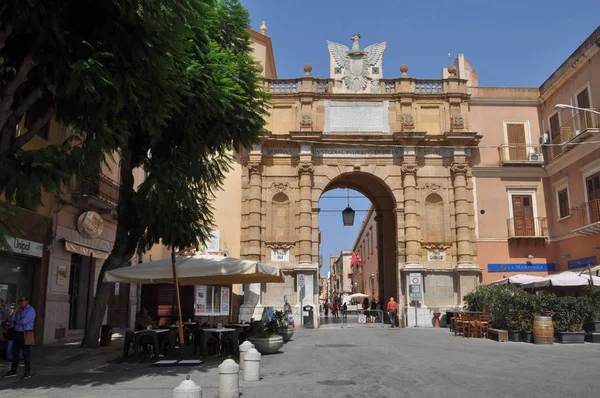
[356,62]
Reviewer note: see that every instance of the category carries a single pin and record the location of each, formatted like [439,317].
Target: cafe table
[219,332]
[156,334]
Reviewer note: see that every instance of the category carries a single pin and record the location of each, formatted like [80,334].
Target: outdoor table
[242,330]
[156,333]
[220,337]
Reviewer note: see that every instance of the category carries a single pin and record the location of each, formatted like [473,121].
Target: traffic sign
[301,280]
[414,287]
[415,279]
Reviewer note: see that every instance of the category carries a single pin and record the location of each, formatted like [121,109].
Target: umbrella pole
[176,281]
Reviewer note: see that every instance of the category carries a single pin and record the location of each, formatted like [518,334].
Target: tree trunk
[126,239]
[92,333]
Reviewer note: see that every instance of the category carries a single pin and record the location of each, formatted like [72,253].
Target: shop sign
[25,247]
[90,224]
[224,300]
[521,267]
[200,301]
[582,262]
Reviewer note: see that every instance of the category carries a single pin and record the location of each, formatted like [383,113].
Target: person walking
[23,317]
[392,308]
[373,312]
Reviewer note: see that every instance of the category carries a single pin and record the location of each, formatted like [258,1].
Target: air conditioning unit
[536,157]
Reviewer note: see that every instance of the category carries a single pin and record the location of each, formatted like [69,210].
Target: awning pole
[176,281]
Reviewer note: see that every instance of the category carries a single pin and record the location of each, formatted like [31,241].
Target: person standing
[392,308]
[23,317]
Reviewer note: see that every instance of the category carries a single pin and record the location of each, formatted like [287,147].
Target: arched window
[434,218]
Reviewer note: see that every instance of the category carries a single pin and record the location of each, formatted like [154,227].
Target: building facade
[365,278]
[459,175]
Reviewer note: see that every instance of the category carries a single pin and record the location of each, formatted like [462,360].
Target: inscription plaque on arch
[345,117]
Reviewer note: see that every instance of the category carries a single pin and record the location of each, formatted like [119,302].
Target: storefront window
[212,300]
[16,277]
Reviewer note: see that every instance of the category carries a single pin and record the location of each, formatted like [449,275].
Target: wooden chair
[459,318]
[484,325]
[467,325]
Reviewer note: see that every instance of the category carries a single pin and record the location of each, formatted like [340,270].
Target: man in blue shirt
[23,318]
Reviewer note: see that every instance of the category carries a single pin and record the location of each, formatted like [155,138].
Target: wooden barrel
[543,330]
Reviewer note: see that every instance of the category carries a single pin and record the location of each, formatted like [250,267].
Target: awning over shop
[85,250]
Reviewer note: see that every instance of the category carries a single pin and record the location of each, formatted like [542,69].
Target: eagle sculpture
[356,62]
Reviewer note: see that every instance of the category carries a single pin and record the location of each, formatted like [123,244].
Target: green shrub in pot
[570,313]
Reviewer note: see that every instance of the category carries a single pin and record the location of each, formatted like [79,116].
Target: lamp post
[565,106]
[373,285]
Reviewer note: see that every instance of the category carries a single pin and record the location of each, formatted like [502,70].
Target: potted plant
[265,340]
[527,305]
[283,328]
[592,324]
[568,319]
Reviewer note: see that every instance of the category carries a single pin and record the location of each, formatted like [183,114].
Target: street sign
[301,280]
[415,279]
[414,288]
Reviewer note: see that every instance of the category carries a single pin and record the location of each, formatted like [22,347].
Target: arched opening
[373,236]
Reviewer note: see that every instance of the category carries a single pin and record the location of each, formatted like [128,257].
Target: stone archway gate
[413,137]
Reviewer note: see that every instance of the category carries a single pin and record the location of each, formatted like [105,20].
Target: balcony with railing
[527,228]
[579,128]
[521,154]
[382,86]
[100,193]
[586,218]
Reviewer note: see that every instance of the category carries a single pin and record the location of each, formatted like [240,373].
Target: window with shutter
[563,203]
[517,147]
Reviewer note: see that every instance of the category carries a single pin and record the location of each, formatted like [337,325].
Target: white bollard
[229,379]
[244,347]
[252,365]
[187,389]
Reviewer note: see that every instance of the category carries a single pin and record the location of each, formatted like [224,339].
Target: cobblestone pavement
[353,362]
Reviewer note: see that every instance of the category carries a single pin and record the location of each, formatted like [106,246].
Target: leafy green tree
[168,85]
[218,107]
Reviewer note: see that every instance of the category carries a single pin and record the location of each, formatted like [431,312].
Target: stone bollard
[252,365]
[244,347]
[187,389]
[229,379]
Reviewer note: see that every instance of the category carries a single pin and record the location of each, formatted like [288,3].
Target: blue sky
[508,43]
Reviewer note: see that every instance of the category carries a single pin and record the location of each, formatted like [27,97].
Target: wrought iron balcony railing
[100,192]
[586,218]
[521,154]
[577,129]
[527,227]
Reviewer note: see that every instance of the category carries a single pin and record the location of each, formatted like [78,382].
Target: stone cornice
[507,171]
[510,101]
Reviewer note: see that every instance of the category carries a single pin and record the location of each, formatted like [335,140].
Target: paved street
[356,362]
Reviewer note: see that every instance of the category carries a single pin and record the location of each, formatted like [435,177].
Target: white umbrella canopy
[198,269]
[518,279]
[357,295]
[564,279]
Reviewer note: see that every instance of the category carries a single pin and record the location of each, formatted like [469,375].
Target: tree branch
[30,133]
[27,103]
[9,90]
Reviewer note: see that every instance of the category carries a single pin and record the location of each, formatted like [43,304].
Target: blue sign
[521,268]
[582,262]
